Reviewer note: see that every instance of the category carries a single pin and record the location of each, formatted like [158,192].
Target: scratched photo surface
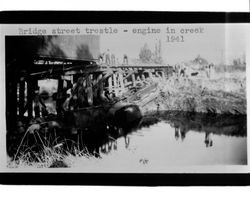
[126,98]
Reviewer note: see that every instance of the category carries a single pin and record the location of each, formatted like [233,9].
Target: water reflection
[209,124]
[233,125]
[182,123]
[106,143]
[222,136]
[208,140]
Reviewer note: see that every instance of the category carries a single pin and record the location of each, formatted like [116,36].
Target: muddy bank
[219,96]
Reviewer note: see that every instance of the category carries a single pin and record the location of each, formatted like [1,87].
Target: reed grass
[45,153]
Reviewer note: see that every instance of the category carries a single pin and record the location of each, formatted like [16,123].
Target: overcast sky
[217,42]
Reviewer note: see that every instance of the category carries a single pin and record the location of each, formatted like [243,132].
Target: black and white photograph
[125,98]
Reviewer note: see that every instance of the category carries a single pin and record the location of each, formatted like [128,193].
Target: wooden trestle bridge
[22,79]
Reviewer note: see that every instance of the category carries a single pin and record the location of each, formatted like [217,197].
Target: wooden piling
[59,96]
[110,84]
[31,84]
[101,87]
[21,97]
[143,77]
[133,79]
[11,103]
[121,82]
[125,80]
[90,90]
[115,84]
[150,74]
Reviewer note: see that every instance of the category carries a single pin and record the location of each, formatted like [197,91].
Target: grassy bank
[58,156]
[223,94]
[48,153]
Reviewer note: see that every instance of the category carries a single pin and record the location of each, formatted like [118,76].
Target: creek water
[177,138]
[162,139]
